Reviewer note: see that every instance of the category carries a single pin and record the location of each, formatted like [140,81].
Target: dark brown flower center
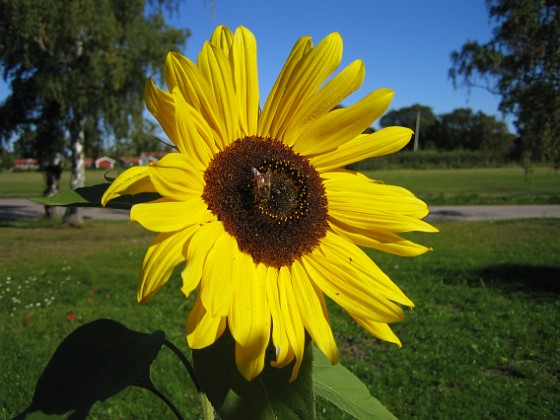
[269,198]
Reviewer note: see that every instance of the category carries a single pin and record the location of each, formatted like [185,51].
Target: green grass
[482,342]
[32,184]
[506,185]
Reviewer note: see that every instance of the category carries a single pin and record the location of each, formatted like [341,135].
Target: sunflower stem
[207,409]
[185,362]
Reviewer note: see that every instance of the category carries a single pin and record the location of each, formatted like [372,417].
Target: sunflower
[258,203]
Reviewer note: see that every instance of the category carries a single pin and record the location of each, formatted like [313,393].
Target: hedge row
[432,159]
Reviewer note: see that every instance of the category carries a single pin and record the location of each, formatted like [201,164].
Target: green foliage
[407,117]
[79,66]
[433,159]
[522,64]
[461,129]
[6,160]
[269,396]
[481,342]
[464,129]
[339,386]
[95,362]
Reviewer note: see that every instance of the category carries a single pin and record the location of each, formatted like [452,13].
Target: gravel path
[22,209]
[469,213]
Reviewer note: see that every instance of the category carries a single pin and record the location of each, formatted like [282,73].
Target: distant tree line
[461,129]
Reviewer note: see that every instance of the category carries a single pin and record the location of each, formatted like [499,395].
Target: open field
[32,184]
[507,185]
[482,342]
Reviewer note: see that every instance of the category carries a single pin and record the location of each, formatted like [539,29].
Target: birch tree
[86,59]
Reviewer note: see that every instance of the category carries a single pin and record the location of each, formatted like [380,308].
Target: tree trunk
[53,171]
[73,216]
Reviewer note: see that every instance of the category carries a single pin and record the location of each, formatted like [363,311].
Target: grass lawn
[482,342]
[507,185]
[32,184]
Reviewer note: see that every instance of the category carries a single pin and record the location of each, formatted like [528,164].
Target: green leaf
[338,385]
[91,197]
[269,396]
[94,362]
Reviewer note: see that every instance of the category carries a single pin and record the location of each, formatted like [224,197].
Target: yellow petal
[378,329]
[163,255]
[368,276]
[162,107]
[284,351]
[203,329]
[383,142]
[249,317]
[356,193]
[222,37]
[292,319]
[325,100]
[337,127]
[218,279]
[359,202]
[134,180]
[377,220]
[307,76]
[300,49]
[378,239]
[182,73]
[377,203]
[244,54]
[249,363]
[335,279]
[215,67]
[313,311]
[189,140]
[203,131]
[164,215]
[174,177]
[195,254]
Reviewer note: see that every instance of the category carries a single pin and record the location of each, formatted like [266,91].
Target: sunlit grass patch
[481,342]
[506,185]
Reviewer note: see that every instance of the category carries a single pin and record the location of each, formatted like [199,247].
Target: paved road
[22,209]
[468,213]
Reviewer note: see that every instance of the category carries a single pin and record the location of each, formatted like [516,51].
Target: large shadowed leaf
[94,362]
[91,197]
[338,385]
[269,396]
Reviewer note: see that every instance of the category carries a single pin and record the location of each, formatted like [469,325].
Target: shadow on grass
[43,222]
[12,212]
[530,279]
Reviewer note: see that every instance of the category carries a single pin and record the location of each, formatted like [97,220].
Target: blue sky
[405,44]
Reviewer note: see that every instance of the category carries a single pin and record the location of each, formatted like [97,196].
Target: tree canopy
[407,116]
[87,57]
[79,66]
[522,64]
[464,129]
[460,129]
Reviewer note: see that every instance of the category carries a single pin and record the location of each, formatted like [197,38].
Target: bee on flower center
[262,183]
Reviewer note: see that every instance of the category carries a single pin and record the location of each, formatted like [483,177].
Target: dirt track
[22,209]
